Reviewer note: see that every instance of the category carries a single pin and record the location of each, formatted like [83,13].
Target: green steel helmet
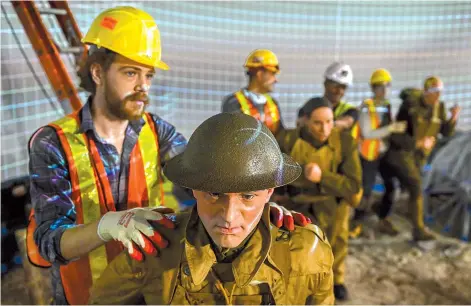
[230,153]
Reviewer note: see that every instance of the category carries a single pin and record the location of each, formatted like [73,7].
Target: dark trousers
[369,171]
[402,165]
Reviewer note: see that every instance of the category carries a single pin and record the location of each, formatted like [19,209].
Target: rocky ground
[380,270]
[385,270]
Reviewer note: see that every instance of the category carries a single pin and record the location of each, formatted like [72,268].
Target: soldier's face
[431,97]
[126,87]
[229,218]
[321,123]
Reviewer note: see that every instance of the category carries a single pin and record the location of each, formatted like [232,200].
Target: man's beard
[118,109]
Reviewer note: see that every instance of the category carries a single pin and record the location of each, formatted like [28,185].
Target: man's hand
[132,229]
[280,216]
[455,112]
[426,143]
[398,127]
[313,172]
[429,142]
[344,123]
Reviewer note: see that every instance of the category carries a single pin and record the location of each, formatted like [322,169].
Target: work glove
[280,216]
[132,228]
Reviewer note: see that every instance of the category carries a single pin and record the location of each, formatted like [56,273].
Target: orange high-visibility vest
[92,196]
[272,113]
[369,148]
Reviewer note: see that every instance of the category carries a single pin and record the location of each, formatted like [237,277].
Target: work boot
[386,227]
[423,234]
[340,292]
[355,230]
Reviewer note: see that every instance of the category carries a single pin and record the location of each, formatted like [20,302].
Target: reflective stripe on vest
[369,148]
[272,113]
[92,195]
[341,109]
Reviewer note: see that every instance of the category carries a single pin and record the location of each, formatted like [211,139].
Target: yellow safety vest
[92,196]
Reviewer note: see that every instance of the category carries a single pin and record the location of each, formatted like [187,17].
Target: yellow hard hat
[433,84]
[380,76]
[130,32]
[262,58]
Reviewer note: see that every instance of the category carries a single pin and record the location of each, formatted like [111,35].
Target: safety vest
[369,148]
[272,113]
[92,196]
[341,109]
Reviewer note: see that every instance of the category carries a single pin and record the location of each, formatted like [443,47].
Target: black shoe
[340,292]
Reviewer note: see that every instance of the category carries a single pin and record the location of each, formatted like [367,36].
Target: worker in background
[225,252]
[426,117]
[331,180]
[375,128]
[338,76]
[430,117]
[254,100]
[98,170]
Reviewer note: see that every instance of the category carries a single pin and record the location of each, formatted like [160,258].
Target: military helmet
[230,153]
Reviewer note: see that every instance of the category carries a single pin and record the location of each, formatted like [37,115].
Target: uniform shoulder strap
[280,251]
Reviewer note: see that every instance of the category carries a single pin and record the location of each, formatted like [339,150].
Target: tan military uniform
[274,267]
[325,202]
[404,160]
[429,121]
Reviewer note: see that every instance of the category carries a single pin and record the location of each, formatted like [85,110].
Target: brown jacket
[274,267]
[342,182]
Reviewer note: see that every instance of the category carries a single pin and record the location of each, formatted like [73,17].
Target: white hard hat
[340,73]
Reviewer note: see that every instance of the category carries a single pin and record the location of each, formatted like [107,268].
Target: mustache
[139,96]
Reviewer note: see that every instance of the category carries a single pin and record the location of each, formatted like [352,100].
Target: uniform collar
[201,257]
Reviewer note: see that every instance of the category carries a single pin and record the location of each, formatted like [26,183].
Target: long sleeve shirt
[51,184]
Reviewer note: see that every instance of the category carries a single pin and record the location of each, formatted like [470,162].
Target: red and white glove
[280,216]
[132,229]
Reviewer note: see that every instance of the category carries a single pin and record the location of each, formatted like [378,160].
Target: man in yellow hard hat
[225,252]
[254,100]
[96,173]
[376,128]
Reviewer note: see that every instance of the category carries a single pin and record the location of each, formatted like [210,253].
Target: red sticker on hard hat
[109,23]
